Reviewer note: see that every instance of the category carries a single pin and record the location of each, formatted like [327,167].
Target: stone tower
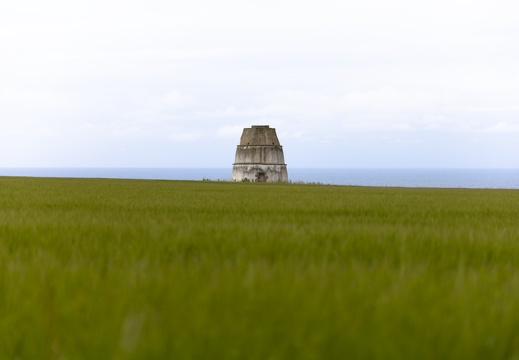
[259,157]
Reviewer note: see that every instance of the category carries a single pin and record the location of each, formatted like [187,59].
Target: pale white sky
[155,83]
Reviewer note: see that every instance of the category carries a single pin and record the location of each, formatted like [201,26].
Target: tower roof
[259,135]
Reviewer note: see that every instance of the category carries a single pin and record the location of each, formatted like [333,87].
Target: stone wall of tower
[272,173]
[259,154]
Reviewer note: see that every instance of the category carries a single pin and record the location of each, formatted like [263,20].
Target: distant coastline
[441,178]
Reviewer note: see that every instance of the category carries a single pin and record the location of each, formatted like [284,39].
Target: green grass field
[127,269]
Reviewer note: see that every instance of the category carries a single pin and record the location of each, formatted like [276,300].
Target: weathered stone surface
[259,157]
[259,135]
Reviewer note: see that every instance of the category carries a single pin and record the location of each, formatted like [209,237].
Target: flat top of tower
[259,135]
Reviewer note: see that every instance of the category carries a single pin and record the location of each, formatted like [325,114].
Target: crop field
[134,269]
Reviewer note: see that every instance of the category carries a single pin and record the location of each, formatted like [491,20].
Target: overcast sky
[359,83]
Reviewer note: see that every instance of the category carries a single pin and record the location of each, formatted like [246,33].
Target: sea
[427,178]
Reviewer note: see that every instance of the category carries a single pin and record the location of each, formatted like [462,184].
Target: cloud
[503,127]
[179,100]
[495,109]
[185,136]
[228,112]
[439,122]
[231,131]
[383,109]
[388,99]
[19,101]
